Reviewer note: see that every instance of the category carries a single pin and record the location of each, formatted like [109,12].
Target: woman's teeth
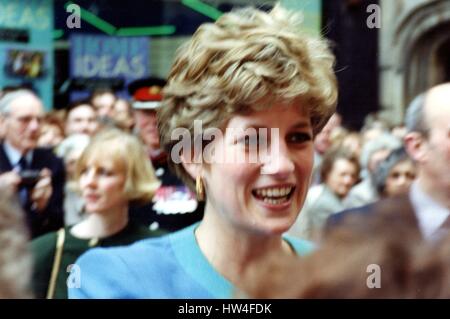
[274,195]
[273,192]
[275,201]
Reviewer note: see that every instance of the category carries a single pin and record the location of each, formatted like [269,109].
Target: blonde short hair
[128,154]
[246,56]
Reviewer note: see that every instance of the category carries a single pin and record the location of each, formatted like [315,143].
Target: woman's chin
[276,228]
[94,209]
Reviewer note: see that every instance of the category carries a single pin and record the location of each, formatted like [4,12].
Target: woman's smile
[275,196]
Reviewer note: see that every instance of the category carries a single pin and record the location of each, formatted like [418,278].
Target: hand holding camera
[29,178]
[39,182]
[42,190]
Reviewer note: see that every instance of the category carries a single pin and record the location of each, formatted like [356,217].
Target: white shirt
[430,214]
[14,155]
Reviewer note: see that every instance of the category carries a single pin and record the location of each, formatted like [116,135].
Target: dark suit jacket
[52,217]
[397,212]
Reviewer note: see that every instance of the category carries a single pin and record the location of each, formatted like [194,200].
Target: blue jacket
[171,266]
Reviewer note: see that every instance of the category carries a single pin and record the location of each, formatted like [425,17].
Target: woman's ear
[192,168]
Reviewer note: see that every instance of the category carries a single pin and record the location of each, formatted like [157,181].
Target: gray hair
[72,143]
[382,171]
[6,99]
[384,141]
[415,115]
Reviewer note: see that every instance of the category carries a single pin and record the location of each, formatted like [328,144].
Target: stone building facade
[414,51]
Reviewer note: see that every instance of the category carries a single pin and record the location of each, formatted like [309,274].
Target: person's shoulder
[44,241]
[315,191]
[46,156]
[133,251]
[43,249]
[139,255]
[45,153]
[385,206]
[338,217]
[312,197]
[137,231]
[128,270]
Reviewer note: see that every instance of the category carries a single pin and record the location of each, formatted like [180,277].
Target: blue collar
[196,265]
[191,258]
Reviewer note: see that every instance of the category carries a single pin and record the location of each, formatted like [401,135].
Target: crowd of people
[318,205]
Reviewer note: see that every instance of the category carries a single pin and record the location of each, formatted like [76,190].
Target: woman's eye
[395,175]
[411,176]
[104,172]
[299,137]
[249,140]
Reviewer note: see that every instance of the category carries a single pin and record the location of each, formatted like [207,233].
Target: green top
[44,249]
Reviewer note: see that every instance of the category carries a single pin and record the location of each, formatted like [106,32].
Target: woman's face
[263,195]
[400,178]
[50,136]
[342,177]
[102,186]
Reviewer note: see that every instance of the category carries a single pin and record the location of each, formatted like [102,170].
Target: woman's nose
[402,179]
[88,178]
[279,161]
[349,180]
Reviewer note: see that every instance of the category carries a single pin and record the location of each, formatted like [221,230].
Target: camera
[29,177]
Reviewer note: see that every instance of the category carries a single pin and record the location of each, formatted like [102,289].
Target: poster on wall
[28,64]
[96,58]
[26,53]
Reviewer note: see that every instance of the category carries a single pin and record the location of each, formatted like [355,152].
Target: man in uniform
[174,206]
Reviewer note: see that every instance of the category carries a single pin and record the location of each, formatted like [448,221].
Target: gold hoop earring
[199,188]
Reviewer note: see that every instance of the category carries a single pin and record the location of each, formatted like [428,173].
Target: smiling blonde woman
[251,72]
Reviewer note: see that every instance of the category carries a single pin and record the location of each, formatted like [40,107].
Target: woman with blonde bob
[112,172]
[268,89]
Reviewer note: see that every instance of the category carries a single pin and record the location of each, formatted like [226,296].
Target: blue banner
[106,57]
